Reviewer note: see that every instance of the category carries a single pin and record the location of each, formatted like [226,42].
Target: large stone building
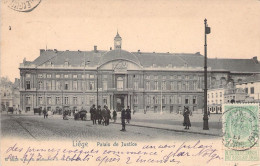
[144,81]
[10,95]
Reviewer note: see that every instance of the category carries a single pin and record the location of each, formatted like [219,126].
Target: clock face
[118,43]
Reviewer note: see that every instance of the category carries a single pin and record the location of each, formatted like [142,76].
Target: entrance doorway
[119,103]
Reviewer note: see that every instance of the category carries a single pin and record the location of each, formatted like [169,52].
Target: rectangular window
[91,76]
[104,85]
[66,100]
[40,101]
[28,75]
[186,100]
[66,87]
[75,85]
[156,100]
[135,85]
[156,85]
[49,100]
[75,76]
[135,99]
[163,100]
[66,76]
[148,100]
[172,85]
[186,77]
[220,94]
[91,100]
[164,85]
[57,101]
[246,90]
[48,75]
[58,85]
[105,101]
[28,100]
[147,77]
[179,99]
[216,94]
[48,85]
[155,77]
[147,85]
[179,85]
[75,100]
[91,85]
[163,77]
[57,76]
[40,85]
[252,90]
[40,76]
[194,101]
[28,85]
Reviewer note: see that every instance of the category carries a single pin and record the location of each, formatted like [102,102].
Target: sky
[175,26]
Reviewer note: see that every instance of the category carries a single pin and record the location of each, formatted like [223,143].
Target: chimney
[110,48]
[139,51]
[255,59]
[95,49]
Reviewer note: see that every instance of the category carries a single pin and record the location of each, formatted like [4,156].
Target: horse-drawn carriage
[37,111]
[10,109]
[81,115]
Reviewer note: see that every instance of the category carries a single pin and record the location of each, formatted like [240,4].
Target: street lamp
[205,116]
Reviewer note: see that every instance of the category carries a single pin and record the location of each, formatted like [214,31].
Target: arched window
[120,83]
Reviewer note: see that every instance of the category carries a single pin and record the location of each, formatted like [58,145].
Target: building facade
[10,94]
[251,86]
[118,78]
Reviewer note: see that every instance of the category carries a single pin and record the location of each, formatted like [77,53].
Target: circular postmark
[22,5]
[240,128]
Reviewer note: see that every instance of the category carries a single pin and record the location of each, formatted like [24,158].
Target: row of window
[252,90]
[180,77]
[58,85]
[216,102]
[172,99]
[120,85]
[216,95]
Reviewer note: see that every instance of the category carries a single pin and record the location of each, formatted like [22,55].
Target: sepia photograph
[95,82]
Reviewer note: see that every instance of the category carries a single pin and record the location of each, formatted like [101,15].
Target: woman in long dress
[186,115]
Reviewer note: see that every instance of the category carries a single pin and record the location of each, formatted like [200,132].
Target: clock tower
[117,42]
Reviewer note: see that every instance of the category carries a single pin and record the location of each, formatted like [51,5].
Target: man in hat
[93,113]
[123,116]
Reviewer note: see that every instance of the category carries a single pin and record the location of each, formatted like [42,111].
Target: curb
[176,130]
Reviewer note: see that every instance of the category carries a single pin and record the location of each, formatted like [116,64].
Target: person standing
[104,116]
[98,115]
[114,116]
[108,115]
[123,116]
[93,114]
[128,114]
[45,113]
[186,115]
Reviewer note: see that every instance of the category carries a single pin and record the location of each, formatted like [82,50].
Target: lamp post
[161,101]
[85,83]
[205,116]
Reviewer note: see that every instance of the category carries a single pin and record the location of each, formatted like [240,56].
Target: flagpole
[205,117]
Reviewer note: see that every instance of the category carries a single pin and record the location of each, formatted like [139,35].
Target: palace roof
[145,59]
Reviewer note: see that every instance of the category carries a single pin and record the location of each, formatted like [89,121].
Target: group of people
[104,115]
[100,115]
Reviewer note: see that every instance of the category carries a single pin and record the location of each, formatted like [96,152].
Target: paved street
[36,127]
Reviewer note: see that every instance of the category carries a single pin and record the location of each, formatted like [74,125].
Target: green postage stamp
[241,132]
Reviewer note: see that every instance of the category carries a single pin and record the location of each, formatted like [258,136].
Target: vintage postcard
[133,82]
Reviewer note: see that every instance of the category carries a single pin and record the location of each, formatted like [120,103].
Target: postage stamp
[241,131]
[22,5]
